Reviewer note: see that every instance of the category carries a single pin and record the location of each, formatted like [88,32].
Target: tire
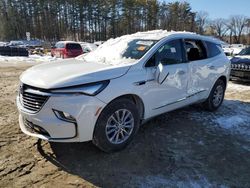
[108,132]
[216,96]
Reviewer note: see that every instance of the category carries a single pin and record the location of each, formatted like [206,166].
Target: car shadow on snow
[185,147]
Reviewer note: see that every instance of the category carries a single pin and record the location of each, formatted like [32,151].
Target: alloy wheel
[218,95]
[119,126]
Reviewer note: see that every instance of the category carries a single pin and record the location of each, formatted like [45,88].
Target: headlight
[86,89]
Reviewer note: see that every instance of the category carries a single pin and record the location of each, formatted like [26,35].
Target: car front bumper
[240,75]
[44,124]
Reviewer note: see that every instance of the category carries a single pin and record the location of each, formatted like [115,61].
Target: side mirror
[161,74]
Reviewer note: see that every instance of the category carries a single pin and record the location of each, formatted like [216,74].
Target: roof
[160,34]
[67,42]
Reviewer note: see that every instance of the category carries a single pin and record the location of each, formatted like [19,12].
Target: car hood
[244,59]
[70,73]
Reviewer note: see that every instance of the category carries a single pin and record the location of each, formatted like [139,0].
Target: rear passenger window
[74,46]
[213,49]
[195,50]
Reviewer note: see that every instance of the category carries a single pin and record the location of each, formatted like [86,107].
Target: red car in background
[66,49]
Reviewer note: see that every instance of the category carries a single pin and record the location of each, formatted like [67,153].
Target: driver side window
[170,53]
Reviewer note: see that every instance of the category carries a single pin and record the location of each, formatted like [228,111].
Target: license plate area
[239,74]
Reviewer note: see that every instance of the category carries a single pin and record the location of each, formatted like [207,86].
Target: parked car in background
[232,50]
[13,51]
[240,66]
[31,44]
[87,47]
[122,83]
[228,52]
[66,49]
[3,43]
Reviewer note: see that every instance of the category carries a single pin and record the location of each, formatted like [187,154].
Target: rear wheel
[116,125]
[216,96]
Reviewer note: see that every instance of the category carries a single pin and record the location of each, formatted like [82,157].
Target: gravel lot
[185,148]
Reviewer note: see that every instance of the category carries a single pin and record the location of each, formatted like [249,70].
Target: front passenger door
[171,93]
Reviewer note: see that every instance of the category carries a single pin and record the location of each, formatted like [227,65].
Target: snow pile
[3,43]
[30,59]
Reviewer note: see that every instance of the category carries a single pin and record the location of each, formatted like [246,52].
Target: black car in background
[240,66]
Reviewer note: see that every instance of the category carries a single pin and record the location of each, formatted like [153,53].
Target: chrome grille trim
[243,67]
[32,99]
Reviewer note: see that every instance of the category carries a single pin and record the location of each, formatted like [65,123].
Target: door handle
[181,72]
[211,67]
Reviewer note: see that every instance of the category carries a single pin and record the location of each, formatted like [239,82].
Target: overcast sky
[220,8]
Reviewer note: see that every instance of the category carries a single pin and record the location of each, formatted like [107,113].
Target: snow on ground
[238,87]
[237,120]
[161,181]
[234,114]
[30,59]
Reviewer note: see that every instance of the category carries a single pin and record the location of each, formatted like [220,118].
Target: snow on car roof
[111,51]
[160,34]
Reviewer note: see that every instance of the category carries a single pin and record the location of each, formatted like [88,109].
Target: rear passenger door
[202,69]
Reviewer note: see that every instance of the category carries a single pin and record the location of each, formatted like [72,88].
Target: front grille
[29,98]
[240,67]
[240,74]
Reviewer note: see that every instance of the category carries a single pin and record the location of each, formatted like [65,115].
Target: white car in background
[106,94]
[87,47]
[232,50]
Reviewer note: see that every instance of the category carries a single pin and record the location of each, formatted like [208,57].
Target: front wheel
[216,96]
[116,125]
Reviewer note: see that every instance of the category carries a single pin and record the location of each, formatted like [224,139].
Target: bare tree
[220,27]
[248,31]
[201,20]
[236,25]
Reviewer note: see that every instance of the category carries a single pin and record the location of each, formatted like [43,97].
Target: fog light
[64,116]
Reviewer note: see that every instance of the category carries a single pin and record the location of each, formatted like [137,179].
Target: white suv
[106,94]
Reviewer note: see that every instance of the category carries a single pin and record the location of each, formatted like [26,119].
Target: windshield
[122,50]
[137,48]
[245,51]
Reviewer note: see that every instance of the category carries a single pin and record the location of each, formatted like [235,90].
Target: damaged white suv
[105,95]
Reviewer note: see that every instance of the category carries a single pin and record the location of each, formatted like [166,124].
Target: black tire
[211,104]
[100,138]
